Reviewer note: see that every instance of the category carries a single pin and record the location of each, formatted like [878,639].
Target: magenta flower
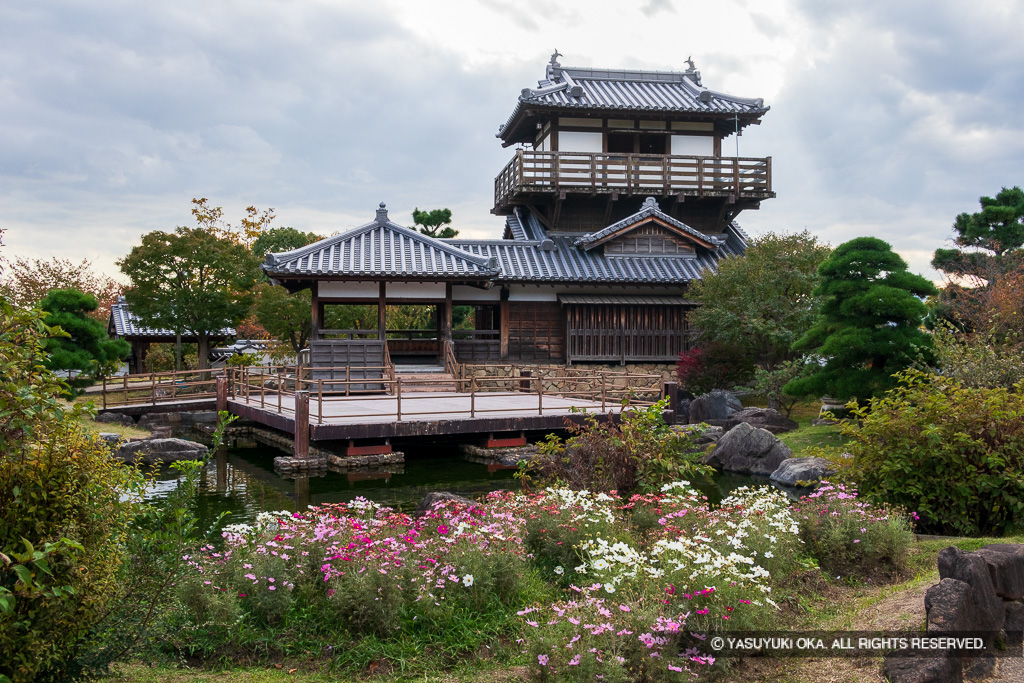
[542,659]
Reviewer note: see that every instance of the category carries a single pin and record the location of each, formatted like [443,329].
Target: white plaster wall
[693,145]
[416,290]
[369,290]
[463,293]
[576,141]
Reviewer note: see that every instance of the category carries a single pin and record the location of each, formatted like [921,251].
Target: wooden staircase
[421,379]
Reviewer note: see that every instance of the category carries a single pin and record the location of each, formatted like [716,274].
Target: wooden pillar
[446,314]
[382,311]
[503,326]
[316,312]
[671,392]
[222,393]
[301,424]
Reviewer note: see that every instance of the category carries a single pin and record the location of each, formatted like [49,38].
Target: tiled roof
[380,249]
[625,90]
[123,323]
[649,209]
[558,259]
[626,299]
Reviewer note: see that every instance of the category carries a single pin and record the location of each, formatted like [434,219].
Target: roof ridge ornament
[382,213]
[554,68]
[691,72]
[651,203]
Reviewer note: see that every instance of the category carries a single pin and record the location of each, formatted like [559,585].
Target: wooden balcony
[540,173]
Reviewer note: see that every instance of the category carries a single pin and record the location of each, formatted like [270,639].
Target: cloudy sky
[888,117]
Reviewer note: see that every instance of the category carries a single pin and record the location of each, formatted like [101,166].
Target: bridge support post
[301,424]
[222,393]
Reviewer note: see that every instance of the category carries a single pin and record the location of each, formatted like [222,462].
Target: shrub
[847,535]
[62,520]
[638,452]
[713,366]
[979,359]
[951,453]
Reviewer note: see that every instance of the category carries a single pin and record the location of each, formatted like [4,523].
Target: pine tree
[870,323]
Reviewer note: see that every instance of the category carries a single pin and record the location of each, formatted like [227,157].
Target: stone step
[437,381]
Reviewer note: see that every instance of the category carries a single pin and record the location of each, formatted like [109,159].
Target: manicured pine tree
[870,324]
[87,348]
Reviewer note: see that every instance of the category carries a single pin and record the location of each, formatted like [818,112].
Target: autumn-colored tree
[252,225]
[27,281]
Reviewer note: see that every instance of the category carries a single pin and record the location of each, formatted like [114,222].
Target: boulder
[949,606]
[1014,624]
[153,451]
[793,470]
[764,418]
[683,411]
[908,666]
[1006,568]
[748,450]
[428,501]
[115,419]
[199,417]
[714,406]
[111,437]
[158,420]
[972,569]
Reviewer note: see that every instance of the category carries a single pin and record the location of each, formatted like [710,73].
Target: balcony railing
[648,174]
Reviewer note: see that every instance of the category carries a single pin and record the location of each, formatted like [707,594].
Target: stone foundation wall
[664,372]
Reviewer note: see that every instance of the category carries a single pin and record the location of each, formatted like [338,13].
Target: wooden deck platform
[420,414]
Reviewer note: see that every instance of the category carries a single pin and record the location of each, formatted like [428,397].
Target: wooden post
[472,397]
[301,424]
[398,395]
[222,393]
[540,393]
[320,401]
[316,319]
[604,392]
[503,321]
[446,318]
[382,310]
[104,391]
[152,382]
[670,390]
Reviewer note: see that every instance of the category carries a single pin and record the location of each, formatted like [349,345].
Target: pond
[241,481]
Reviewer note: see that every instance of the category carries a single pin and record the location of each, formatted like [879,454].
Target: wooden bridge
[315,408]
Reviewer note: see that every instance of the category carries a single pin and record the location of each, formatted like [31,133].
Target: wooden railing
[451,365]
[160,387]
[651,174]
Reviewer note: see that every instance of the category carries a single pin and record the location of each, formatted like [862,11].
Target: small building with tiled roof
[123,324]
[617,198]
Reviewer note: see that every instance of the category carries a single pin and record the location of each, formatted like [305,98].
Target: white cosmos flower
[467,580]
[609,587]
[559,570]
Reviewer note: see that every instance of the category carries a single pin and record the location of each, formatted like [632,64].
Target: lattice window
[648,239]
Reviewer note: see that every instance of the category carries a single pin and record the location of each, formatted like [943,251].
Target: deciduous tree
[869,327]
[759,304]
[27,281]
[195,280]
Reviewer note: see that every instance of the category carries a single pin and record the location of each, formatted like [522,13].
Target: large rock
[153,451]
[1006,568]
[793,470]
[714,407]
[907,666]
[949,607]
[428,501]
[764,418]
[158,420]
[115,419]
[972,569]
[1014,624]
[748,450]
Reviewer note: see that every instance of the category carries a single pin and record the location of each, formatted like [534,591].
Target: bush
[638,452]
[979,359]
[846,535]
[951,453]
[62,520]
[713,366]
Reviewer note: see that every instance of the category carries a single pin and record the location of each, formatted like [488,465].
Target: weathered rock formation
[154,451]
[748,450]
[714,407]
[763,418]
[793,470]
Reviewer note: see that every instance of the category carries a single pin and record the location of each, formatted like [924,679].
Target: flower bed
[581,584]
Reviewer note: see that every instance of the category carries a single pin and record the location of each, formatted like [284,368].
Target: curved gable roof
[648,212]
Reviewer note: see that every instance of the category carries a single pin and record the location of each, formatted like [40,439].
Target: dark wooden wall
[536,331]
[626,333]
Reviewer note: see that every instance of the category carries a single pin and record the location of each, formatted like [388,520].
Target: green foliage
[759,304]
[869,327]
[772,383]
[285,316]
[277,240]
[979,359]
[952,453]
[985,238]
[87,348]
[193,279]
[435,223]
[62,519]
[639,451]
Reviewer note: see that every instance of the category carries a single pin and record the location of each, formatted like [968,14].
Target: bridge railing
[154,388]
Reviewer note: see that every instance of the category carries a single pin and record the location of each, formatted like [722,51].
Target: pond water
[242,482]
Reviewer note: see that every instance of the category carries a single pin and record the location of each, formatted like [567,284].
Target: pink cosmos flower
[542,659]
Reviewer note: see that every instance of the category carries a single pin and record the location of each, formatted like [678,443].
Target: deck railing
[160,387]
[648,174]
